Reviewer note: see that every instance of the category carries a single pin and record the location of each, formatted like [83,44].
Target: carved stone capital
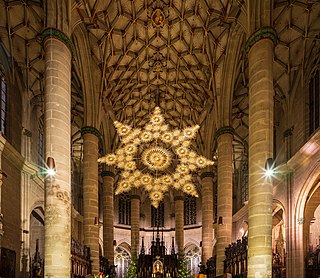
[262,33]
[90,130]
[52,33]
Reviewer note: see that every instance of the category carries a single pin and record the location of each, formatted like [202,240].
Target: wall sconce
[220,220]
[51,170]
[268,167]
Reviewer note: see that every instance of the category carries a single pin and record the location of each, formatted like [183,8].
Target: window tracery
[193,259]
[157,215]
[244,180]
[124,209]
[190,210]
[121,260]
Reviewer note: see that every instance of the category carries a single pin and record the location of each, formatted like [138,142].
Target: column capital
[223,130]
[90,130]
[207,175]
[262,33]
[107,174]
[53,33]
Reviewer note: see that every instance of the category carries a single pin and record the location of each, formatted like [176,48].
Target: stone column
[108,214]
[179,222]
[260,56]
[224,214]
[57,122]
[207,215]
[135,225]
[90,193]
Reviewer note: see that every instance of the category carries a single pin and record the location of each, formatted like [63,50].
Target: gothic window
[157,215]
[244,180]
[314,102]
[193,259]
[3,104]
[40,145]
[190,210]
[121,260]
[124,209]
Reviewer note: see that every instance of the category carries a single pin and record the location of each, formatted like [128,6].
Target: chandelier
[156,158]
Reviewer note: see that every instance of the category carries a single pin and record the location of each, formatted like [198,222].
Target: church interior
[160,138]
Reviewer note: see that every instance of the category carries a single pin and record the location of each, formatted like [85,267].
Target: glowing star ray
[156,147]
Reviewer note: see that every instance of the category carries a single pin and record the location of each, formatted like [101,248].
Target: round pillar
[224,209]
[260,56]
[57,122]
[108,215]
[207,215]
[179,223]
[135,225]
[90,194]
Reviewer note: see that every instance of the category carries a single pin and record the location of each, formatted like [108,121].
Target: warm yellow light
[156,146]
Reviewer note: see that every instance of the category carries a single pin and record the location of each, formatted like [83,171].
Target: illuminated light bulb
[146,179]
[148,187]
[129,158]
[182,151]
[192,167]
[175,143]
[121,164]
[176,133]
[130,165]
[167,137]
[131,179]
[192,154]
[137,173]
[176,176]
[149,127]
[177,185]
[269,172]
[51,172]
[188,177]
[125,174]
[136,141]
[164,128]
[121,158]
[186,143]
[156,135]
[146,136]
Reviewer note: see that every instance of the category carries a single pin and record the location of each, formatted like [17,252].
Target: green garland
[182,270]
[132,269]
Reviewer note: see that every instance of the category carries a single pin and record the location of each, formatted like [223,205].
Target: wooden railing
[236,261]
[80,260]
[236,258]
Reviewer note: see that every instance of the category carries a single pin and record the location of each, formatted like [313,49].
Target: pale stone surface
[207,218]
[57,145]
[90,197]
[108,214]
[260,149]
[224,231]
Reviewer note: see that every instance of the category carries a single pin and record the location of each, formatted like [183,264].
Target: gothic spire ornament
[156,158]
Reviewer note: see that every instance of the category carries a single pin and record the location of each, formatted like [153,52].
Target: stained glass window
[124,209]
[3,116]
[193,259]
[121,260]
[190,210]
[157,215]
[40,147]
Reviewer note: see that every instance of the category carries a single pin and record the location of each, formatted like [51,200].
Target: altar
[157,264]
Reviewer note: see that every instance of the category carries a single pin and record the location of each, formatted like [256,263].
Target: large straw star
[147,158]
